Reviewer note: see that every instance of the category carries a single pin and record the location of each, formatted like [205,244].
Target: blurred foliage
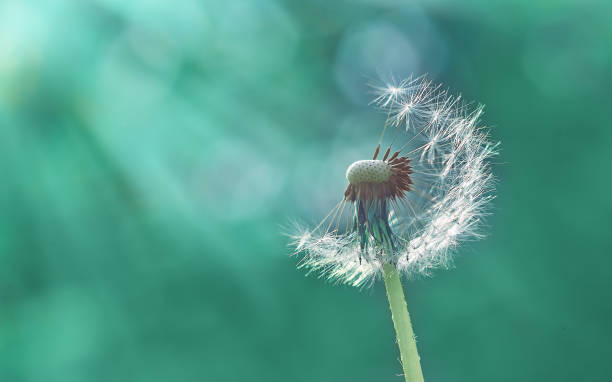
[152,152]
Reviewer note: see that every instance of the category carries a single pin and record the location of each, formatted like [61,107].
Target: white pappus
[426,189]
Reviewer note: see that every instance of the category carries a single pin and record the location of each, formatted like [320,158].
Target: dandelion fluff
[425,190]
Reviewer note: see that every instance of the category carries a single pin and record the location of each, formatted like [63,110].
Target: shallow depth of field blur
[152,153]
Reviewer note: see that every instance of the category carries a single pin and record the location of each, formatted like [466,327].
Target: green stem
[403,328]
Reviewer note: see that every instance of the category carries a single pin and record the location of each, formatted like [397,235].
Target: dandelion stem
[409,355]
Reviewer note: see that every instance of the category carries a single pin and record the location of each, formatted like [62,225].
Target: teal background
[152,153]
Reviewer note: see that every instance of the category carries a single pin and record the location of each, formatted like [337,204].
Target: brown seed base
[399,182]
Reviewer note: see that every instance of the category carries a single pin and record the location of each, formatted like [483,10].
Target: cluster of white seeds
[452,188]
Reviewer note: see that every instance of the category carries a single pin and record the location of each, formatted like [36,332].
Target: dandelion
[425,190]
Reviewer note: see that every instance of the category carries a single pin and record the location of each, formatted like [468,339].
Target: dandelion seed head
[420,195]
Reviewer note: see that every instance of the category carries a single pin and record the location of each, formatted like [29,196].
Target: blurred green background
[151,153]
